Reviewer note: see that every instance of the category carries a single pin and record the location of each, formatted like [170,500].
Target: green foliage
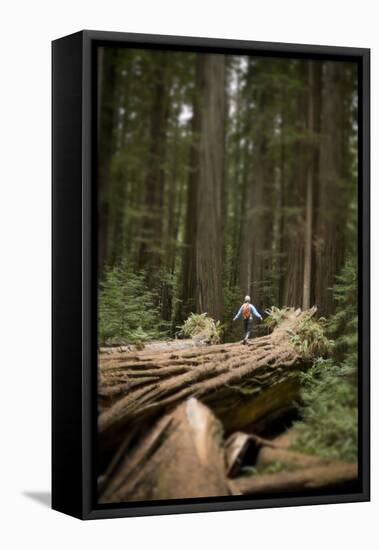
[329,425]
[199,326]
[310,339]
[329,411]
[127,310]
[274,316]
[343,325]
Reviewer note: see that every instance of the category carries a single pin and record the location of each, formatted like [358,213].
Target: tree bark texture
[209,231]
[294,205]
[264,452]
[339,475]
[106,126]
[203,255]
[256,253]
[181,456]
[243,385]
[150,252]
[332,200]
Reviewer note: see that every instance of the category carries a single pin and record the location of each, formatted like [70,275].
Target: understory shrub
[202,327]
[329,409]
[329,413]
[127,309]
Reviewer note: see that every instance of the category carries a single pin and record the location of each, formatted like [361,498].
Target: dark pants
[247,324]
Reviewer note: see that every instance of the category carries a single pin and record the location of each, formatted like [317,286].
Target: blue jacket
[253,311]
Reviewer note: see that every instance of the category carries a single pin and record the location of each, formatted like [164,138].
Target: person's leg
[248,329]
[245,329]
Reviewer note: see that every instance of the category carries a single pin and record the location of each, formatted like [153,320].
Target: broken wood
[243,385]
[182,456]
[332,476]
[236,448]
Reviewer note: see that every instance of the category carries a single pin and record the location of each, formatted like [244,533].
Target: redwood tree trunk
[150,253]
[294,206]
[314,99]
[105,138]
[332,200]
[204,242]
[209,209]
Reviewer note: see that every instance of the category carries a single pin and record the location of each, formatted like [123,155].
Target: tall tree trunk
[332,201]
[150,253]
[203,258]
[189,253]
[294,206]
[120,172]
[256,253]
[314,103]
[107,76]
[209,234]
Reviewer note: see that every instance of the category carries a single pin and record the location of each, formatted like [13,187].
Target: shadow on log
[182,456]
[243,385]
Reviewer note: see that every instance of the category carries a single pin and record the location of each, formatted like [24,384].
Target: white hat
[247,298]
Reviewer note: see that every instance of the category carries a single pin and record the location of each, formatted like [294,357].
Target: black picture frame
[74,357]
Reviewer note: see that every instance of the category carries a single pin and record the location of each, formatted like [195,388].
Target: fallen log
[118,352]
[291,459]
[243,385]
[250,449]
[332,476]
[182,456]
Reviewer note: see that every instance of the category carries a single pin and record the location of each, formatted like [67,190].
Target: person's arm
[238,314]
[255,312]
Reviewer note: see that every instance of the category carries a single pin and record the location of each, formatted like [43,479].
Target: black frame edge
[67,422]
[365,275]
[81,502]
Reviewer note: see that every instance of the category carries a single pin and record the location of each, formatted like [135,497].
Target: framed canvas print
[210,274]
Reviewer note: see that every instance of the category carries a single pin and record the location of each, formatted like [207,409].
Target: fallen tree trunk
[335,476]
[182,456]
[269,454]
[249,449]
[243,385]
[118,352]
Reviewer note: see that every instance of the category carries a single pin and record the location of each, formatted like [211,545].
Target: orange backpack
[246,311]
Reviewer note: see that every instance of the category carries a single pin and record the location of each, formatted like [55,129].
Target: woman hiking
[246,311]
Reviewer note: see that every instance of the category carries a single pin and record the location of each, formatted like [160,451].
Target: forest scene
[227,275]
